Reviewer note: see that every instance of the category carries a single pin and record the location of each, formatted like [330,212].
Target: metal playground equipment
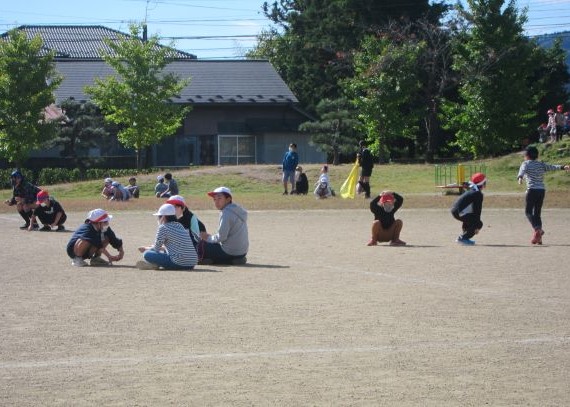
[456,176]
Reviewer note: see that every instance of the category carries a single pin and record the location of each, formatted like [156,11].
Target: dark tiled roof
[77,42]
[211,82]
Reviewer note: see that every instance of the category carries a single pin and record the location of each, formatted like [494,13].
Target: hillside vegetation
[260,187]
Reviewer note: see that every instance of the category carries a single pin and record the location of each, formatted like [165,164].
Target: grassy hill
[259,186]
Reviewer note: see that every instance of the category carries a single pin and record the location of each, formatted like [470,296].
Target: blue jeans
[163,260]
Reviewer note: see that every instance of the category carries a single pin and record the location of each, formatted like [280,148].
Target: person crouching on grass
[91,239]
[385,228]
[467,209]
[173,248]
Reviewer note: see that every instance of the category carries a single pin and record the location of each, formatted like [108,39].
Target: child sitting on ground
[322,187]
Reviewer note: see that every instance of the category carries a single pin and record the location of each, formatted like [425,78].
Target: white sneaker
[145,265]
[78,262]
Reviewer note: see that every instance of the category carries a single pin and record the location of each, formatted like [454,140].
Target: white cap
[108,180]
[220,190]
[98,215]
[176,200]
[165,210]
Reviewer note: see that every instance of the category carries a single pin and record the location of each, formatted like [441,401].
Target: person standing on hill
[366,163]
[290,162]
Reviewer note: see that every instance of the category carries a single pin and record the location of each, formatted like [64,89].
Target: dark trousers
[48,219]
[215,252]
[471,224]
[533,208]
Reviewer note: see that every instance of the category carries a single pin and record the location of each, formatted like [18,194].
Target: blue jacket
[290,161]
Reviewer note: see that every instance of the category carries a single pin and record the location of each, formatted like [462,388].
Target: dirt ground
[315,318]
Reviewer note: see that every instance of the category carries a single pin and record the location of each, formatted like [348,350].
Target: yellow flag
[348,188]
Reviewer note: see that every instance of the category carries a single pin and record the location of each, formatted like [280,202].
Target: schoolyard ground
[315,318]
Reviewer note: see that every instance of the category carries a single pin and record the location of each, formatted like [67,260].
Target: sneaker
[45,228]
[536,237]
[145,265]
[465,242]
[205,262]
[60,228]
[372,242]
[285,193]
[397,242]
[35,226]
[78,262]
[25,226]
[240,261]
[97,261]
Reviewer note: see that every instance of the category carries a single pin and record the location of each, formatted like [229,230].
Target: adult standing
[229,245]
[290,162]
[366,163]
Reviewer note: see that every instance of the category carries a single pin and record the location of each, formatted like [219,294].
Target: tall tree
[319,37]
[27,82]
[495,62]
[336,130]
[82,128]
[139,99]
[383,90]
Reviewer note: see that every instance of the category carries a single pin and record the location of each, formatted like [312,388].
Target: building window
[236,150]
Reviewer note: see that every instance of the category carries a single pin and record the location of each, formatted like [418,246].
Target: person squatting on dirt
[24,197]
[91,239]
[49,212]
[173,248]
[533,172]
[229,245]
[467,209]
[385,228]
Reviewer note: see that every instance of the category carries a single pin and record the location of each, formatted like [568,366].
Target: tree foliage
[383,89]
[336,130]
[27,82]
[495,62]
[139,98]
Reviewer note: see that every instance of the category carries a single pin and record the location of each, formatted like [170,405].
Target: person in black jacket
[366,163]
[301,182]
[467,209]
[385,228]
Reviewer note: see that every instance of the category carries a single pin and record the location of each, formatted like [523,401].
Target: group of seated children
[322,189]
[115,191]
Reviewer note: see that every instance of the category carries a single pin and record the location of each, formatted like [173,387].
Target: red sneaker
[536,237]
[397,242]
[372,242]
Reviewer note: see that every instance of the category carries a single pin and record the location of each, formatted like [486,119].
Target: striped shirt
[177,242]
[533,173]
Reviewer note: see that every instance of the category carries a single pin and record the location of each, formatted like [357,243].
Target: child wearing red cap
[49,212]
[559,122]
[385,227]
[467,209]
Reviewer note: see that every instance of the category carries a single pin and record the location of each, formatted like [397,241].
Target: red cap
[42,196]
[478,179]
[386,198]
[559,108]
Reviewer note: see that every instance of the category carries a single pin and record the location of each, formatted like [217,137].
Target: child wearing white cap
[91,239]
[173,248]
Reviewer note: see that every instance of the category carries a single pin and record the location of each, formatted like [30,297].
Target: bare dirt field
[315,318]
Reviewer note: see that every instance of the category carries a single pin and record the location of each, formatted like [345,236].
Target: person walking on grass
[290,162]
[532,171]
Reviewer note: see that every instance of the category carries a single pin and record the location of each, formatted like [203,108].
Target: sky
[209,29]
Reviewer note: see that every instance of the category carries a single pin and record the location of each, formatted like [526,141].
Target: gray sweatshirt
[232,231]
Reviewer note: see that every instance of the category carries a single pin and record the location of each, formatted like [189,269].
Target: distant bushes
[50,176]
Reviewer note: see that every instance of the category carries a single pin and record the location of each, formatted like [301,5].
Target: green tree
[336,130]
[139,100]
[82,128]
[27,82]
[383,89]
[319,36]
[495,62]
